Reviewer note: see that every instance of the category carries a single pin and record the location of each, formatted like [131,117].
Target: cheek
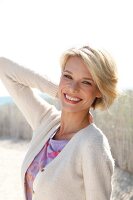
[60,88]
[63,84]
[90,95]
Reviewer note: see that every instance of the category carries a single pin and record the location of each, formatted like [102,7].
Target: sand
[12,153]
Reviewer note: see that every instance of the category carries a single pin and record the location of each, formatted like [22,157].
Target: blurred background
[34,33]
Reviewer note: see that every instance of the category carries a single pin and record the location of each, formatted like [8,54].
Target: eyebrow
[90,79]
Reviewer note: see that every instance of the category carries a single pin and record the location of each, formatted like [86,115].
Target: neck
[73,122]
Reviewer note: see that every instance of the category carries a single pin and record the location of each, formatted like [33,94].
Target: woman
[69,157]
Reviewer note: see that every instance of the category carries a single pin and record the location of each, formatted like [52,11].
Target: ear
[98,95]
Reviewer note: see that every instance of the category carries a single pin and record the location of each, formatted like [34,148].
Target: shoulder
[93,135]
[95,143]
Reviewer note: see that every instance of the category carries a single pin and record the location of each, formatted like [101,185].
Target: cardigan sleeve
[19,82]
[98,166]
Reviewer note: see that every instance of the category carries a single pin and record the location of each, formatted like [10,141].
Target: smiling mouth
[72,99]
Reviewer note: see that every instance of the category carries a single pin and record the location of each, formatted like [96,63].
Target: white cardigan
[83,169]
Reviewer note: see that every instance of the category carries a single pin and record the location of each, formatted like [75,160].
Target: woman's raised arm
[19,82]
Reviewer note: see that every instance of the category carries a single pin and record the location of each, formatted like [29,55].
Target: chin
[71,109]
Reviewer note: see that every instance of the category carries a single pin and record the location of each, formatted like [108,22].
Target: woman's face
[77,90]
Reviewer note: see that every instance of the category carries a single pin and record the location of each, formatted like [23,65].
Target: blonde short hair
[103,70]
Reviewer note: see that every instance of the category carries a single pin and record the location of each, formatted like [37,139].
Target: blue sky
[34,33]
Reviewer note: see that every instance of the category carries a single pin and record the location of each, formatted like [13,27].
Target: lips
[72,99]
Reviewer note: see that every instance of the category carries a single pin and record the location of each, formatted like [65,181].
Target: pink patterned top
[50,150]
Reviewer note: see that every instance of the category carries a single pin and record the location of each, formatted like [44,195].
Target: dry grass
[117,125]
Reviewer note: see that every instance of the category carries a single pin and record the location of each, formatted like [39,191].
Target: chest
[59,173]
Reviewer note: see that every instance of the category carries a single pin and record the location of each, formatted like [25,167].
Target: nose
[74,87]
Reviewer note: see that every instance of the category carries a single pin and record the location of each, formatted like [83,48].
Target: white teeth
[72,98]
